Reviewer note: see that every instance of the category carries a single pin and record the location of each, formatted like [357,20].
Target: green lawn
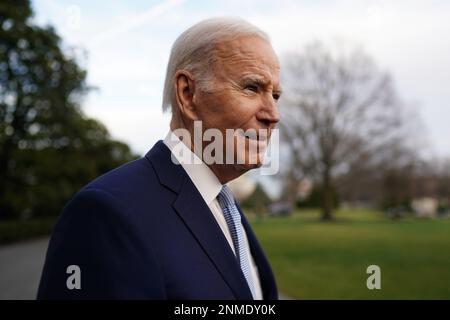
[317,260]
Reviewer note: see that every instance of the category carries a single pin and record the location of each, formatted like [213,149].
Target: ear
[184,92]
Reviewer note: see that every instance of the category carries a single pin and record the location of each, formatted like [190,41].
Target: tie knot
[225,197]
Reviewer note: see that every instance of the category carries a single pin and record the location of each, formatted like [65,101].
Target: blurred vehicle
[280,208]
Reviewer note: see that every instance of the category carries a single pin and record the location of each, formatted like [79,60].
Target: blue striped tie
[233,218]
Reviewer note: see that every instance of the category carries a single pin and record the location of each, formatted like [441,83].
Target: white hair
[193,50]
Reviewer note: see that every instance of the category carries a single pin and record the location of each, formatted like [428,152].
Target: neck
[223,172]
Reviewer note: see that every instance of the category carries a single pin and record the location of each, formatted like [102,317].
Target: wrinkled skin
[243,96]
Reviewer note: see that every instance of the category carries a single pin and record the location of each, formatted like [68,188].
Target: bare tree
[338,109]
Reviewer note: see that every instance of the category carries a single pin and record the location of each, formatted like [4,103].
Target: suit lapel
[195,213]
[197,216]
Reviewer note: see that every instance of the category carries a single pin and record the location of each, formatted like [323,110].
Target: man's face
[244,96]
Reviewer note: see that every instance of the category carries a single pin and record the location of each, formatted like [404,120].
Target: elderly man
[167,227]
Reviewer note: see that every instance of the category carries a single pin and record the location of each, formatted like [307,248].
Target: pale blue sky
[128,43]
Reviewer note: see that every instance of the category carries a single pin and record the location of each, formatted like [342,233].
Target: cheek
[240,111]
[227,110]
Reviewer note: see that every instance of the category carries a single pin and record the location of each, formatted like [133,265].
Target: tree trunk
[327,200]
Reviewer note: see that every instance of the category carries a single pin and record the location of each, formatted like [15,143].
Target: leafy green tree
[48,147]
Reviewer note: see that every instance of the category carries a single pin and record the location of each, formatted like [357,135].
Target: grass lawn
[317,260]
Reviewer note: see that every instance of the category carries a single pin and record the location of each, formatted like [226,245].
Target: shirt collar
[201,175]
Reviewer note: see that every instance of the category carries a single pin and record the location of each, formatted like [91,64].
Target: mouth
[256,136]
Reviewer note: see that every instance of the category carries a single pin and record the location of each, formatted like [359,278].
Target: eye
[251,87]
[276,96]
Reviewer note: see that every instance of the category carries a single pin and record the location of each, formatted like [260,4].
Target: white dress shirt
[209,187]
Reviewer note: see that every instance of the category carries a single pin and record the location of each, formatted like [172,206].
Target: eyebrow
[260,81]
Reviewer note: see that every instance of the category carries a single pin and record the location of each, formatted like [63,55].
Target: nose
[269,114]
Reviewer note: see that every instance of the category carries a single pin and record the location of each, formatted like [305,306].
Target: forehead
[245,56]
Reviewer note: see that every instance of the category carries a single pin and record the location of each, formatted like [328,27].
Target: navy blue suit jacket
[143,231]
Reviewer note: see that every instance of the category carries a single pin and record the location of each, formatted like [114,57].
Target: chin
[250,165]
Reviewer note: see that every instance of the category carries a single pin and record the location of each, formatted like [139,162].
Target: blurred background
[365,142]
